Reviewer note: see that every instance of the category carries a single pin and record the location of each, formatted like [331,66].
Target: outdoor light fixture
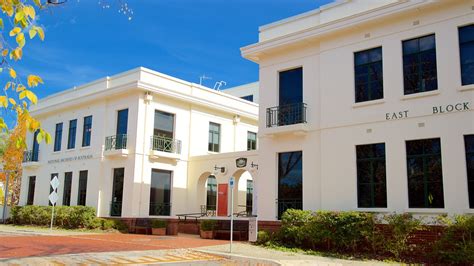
[254,165]
[221,168]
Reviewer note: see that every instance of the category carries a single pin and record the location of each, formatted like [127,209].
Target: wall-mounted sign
[70,159]
[241,162]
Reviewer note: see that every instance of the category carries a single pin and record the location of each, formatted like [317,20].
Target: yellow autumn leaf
[3,101]
[20,39]
[5,52]
[19,16]
[8,85]
[30,11]
[12,101]
[31,96]
[34,124]
[12,73]
[40,32]
[22,94]
[17,53]
[33,80]
[20,87]
[1,23]
[47,138]
[15,31]
[32,33]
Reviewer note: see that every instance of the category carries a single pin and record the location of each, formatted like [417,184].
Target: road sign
[55,182]
[231,182]
[53,197]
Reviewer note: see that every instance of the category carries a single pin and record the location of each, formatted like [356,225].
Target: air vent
[416,22]
[369,130]
[421,124]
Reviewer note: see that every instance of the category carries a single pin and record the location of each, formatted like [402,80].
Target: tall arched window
[211,193]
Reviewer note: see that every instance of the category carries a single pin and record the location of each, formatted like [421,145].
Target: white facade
[324,42]
[247,91]
[142,92]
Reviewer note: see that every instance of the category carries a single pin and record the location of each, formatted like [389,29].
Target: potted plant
[158,227]
[207,228]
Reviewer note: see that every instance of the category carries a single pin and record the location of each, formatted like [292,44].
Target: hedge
[390,236]
[68,217]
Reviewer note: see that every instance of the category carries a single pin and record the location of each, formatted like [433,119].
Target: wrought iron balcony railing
[208,210]
[30,156]
[160,143]
[289,114]
[116,208]
[116,142]
[285,204]
[160,209]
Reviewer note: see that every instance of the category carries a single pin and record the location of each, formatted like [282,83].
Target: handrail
[165,144]
[116,142]
[288,114]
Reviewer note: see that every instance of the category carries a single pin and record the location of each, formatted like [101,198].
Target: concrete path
[245,250]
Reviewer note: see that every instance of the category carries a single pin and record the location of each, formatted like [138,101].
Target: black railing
[289,114]
[244,210]
[208,210]
[30,156]
[116,142]
[285,204]
[160,143]
[160,209]
[116,208]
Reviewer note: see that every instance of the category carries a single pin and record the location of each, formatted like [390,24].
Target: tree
[12,159]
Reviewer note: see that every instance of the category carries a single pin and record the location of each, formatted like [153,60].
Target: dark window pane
[160,192]
[291,86]
[214,137]
[466,47]
[31,190]
[371,175]
[364,196]
[82,191]
[164,124]
[58,136]
[290,181]
[86,131]
[67,188]
[427,43]
[71,141]
[410,46]
[122,122]
[211,201]
[425,176]
[469,146]
[368,75]
[466,34]
[419,65]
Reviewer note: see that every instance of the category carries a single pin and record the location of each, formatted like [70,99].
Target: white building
[139,144]
[367,105]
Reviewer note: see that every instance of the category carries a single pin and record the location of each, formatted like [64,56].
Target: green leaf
[39,137]
[47,138]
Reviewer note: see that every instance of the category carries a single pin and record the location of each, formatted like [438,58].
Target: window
[71,139]
[425,176]
[86,131]
[368,75]
[466,49]
[121,132]
[214,137]
[251,141]
[67,189]
[211,199]
[160,192]
[249,198]
[290,181]
[419,65]
[248,98]
[164,124]
[51,188]
[291,86]
[31,190]
[35,150]
[117,192]
[82,192]
[469,144]
[58,135]
[371,176]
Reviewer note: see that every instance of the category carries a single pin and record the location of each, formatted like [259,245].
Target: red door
[222,200]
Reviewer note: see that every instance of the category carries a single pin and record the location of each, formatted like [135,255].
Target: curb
[238,256]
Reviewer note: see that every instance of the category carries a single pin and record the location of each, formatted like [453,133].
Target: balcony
[290,118]
[163,147]
[116,146]
[30,159]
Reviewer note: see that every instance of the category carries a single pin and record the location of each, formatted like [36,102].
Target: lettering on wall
[451,108]
[70,159]
[440,109]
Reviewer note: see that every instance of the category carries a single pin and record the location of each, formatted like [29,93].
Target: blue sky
[181,38]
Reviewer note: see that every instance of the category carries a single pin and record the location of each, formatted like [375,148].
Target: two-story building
[138,144]
[367,105]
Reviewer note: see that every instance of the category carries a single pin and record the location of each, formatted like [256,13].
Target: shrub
[208,225]
[158,224]
[263,238]
[457,243]
[401,227]
[120,225]
[294,225]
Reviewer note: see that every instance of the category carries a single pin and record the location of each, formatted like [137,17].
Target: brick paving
[14,246]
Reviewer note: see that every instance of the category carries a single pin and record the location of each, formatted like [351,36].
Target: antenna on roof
[202,78]
[219,84]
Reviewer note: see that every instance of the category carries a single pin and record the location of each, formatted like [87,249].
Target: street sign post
[231,185]
[53,197]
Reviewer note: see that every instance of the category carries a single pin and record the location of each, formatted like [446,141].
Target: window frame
[30,198]
[425,174]
[251,143]
[87,131]
[461,46]
[469,174]
[72,131]
[58,136]
[212,137]
[368,65]
[372,183]
[67,188]
[420,88]
[82,191]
